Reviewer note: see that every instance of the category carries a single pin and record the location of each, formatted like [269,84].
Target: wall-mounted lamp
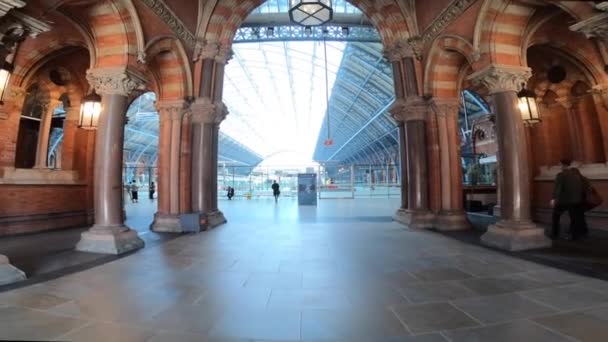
[89,111]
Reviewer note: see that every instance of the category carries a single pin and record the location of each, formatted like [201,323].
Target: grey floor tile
[504,284]
[108,332]
[355,325]
[581,326]
[436,292]
[275,281]
[309,299]
[500,308]
[193,319]
[516,331]
[26,324]
[259,324]
[567,297]
[423,318]
[440,274]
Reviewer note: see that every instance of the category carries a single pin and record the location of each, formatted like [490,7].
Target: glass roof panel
[282,6]
[275,92]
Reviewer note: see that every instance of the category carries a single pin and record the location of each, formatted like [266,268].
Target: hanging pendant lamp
[309,12]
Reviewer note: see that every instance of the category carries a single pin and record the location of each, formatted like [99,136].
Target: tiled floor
[338,272]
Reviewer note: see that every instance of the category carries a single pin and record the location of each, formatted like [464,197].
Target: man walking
[569,195]
[275,191]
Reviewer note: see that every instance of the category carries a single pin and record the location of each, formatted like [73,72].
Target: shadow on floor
[587,257]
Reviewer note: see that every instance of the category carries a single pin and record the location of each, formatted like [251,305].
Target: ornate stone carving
[172,110]
[409,109]
[449,14]
[399,50]
[446,107]
[600,92]
[594,27]
[499,78]
[175,24]
[212,50]
[117,82]
[206,111]
[7,5]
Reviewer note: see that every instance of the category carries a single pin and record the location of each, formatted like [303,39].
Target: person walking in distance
[569,195]
[275,191]
[152,190]
[134,190]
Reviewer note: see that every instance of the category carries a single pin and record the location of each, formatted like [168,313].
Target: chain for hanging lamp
[329,141]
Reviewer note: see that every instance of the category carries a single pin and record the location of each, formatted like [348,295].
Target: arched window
[34,108]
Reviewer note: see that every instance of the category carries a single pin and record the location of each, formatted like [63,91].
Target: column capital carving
[411,109]
[114,81]
[600,92]
[16,94]
[502,78]
[213,50]
[399,50]
[593,27]
[204,110]
[446,107]
[172,110]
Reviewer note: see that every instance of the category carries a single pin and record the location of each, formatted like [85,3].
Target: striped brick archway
[227,15]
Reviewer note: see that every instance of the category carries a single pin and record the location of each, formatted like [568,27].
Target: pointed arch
[448,57]
[171,67]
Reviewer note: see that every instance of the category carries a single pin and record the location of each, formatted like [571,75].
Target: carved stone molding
[175,24]
[114,82]
[213,50]
[446,107]
[600,92]
[594,27]
[172,110]
[502,78]
[602,6]
[15,94]
[399,50]
[7,5]
[413,109]
[449,14]
[206,111]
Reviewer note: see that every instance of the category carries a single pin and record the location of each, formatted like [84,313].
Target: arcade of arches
[61,50]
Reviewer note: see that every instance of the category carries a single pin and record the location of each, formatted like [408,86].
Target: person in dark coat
[151,190]
[230,193]
[569,195]
[275,191]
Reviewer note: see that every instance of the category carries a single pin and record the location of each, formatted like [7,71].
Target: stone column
[574,126]
[413,113]
[451,215]
[600,97]
[109,235]
[515,231]
[9,273]
[206,117]
[171,118]
[42,148]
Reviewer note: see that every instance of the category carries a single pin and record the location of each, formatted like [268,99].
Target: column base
[215,218]
[515,236]
[109,240]
[8,273]
[415,219]
[452,221]
[166,224]
[496,211]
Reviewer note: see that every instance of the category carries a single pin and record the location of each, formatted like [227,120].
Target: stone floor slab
[424,318]
[515,331]
[501,308]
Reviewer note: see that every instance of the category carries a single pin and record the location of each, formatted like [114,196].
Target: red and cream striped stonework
[228,15]
[114,34]
[170,65]
[449,57]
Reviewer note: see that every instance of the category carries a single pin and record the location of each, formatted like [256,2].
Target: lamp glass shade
[90,109]
[5,76]
[528,107]
[310,13]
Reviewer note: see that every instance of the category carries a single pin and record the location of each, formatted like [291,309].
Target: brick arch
[448,58]
[170,66]
[580,10]
[116,32]
[585,63]
[227,15]
[29,66]
[500,31]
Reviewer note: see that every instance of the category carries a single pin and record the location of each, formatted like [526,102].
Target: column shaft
[42,148]
[164,162]
[403,166]
[108,162]
[417,171]
[176,138]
